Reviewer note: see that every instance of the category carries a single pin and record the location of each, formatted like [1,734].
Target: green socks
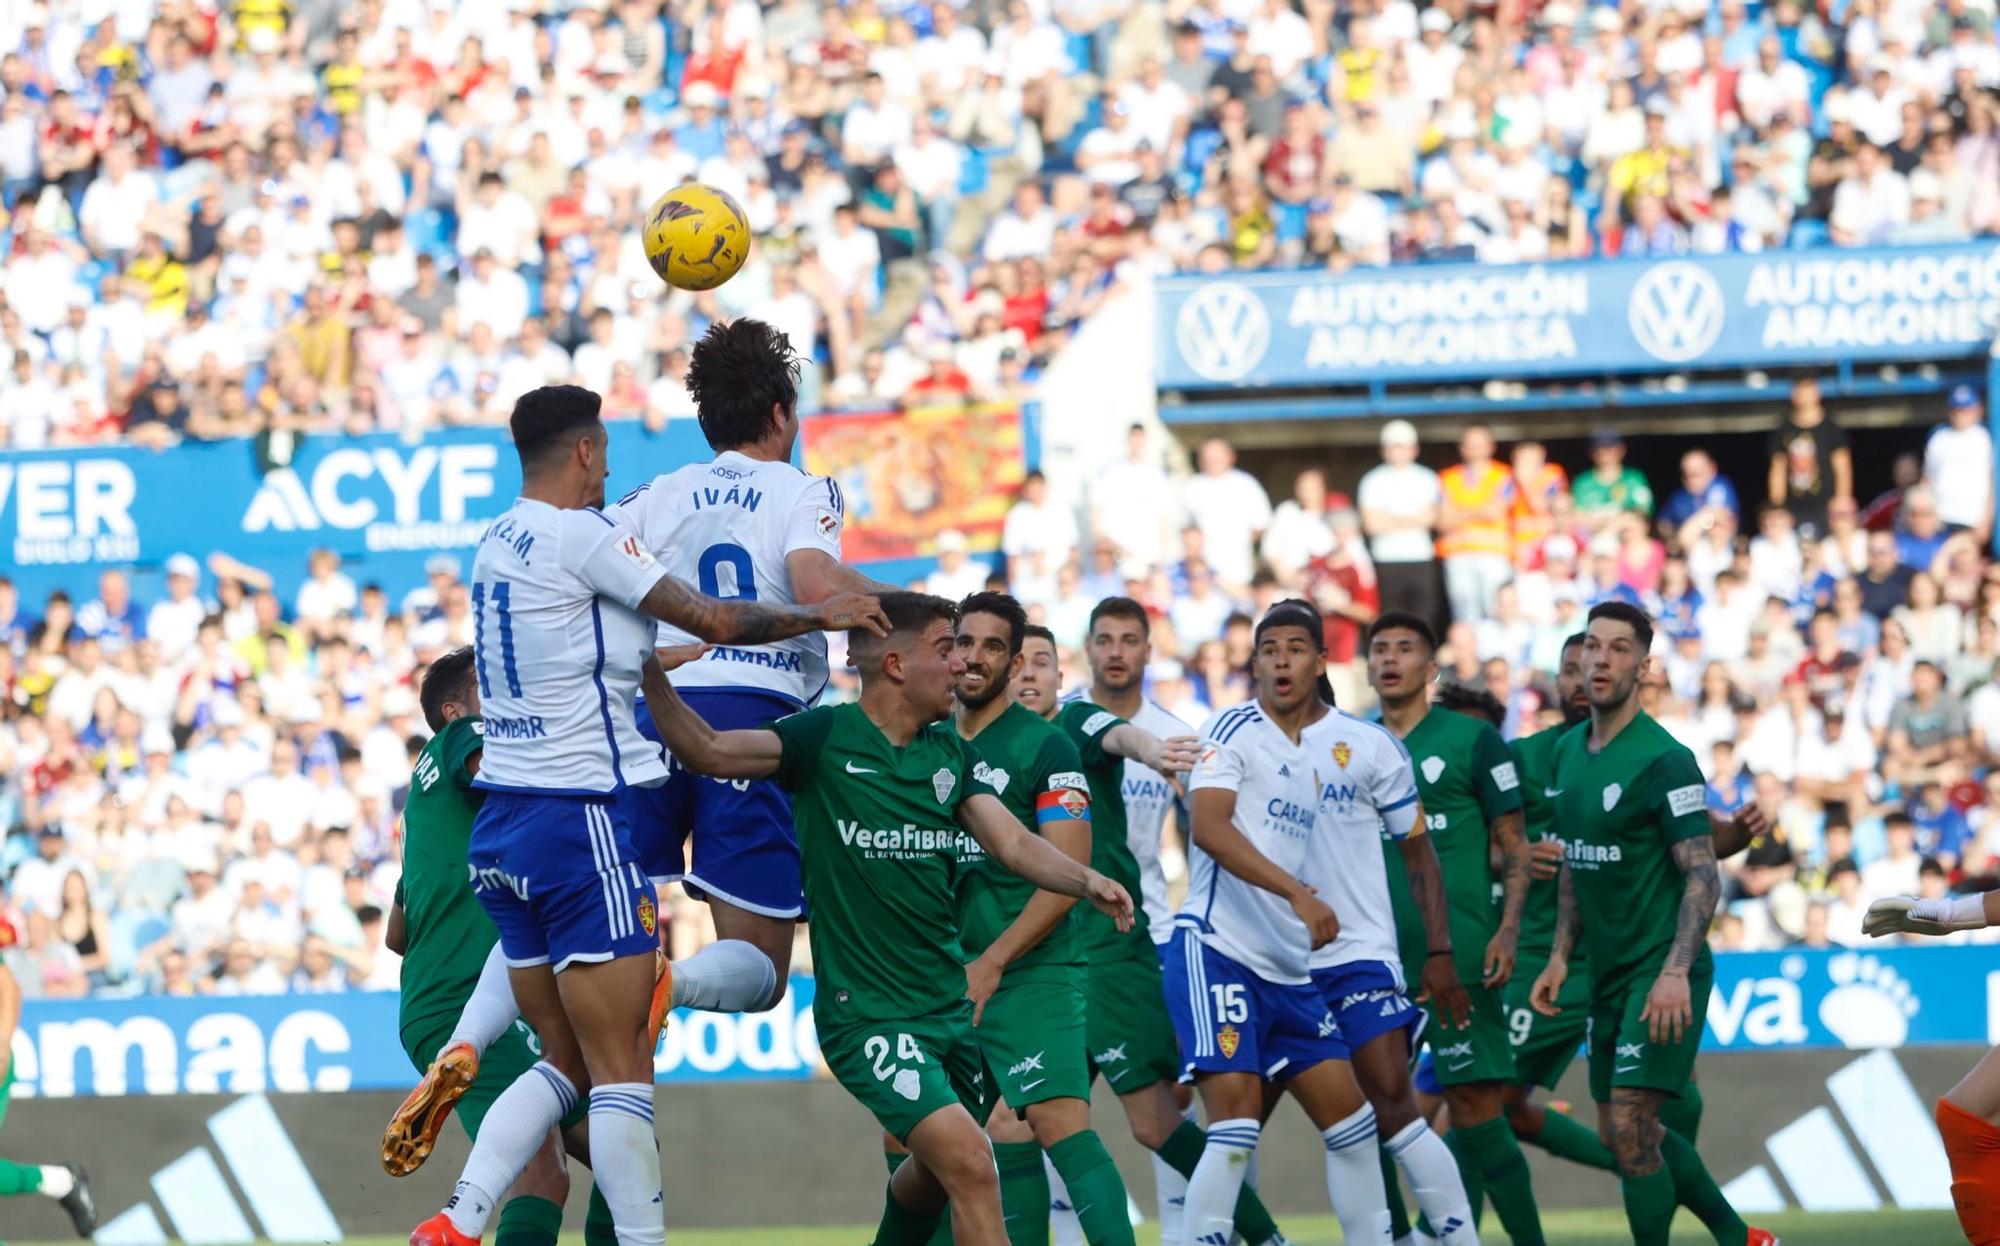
[22,1178]
[1024,1192]
[1095,1189]
[1491,1150]
[1182,1151]
[529,1221]
[1649,1207]
[900,1225]
[1563,1138]
[1468,1176]
[598,1229]
[1696,1190]
[1399,1214]
[1683,1115]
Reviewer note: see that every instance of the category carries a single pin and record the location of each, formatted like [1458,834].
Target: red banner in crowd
[907,476]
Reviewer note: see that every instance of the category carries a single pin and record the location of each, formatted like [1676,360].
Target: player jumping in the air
[881,789]
[65,1183]
[1368,791]
[1968,1116]
[1638,887]
[563,600]
[1472,812]
[1130,1035]
[1238,974]
[444,938]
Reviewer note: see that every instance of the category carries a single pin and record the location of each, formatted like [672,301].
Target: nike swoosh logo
[1626,1068]
[1027,1086]
[1550,793]
[854,769]
[1453,1068]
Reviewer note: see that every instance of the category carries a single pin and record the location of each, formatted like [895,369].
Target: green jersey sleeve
[1090,725]
[1679,791]
[971,769]
[1495,776]
[1059,768]
[461,738]
[801,739]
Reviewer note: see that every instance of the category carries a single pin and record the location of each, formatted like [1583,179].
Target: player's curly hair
[739,374]
[1472,702]
[450,678]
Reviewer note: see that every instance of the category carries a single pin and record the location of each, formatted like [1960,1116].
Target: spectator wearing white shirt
[1871,202]
[1231,509]
[1299,531]
[1399,500]
[1028,228]
[493,296]
[1038,538]
[874,126]
[174,622]
[116,207]
[1877,107]
[500,221]
[326,594]
[1958,464]
[1132,502]
[1158,106]
[1108,155]
[40,281]
[1772,85]
[31,412]
[282,798]
[957,575]
[1434,59]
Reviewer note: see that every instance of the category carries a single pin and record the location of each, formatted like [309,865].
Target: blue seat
[1807,234]
[1291,220]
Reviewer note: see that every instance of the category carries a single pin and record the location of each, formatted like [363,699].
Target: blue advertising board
[1428,323]
[382,502]
[1860,999]
[297,1043]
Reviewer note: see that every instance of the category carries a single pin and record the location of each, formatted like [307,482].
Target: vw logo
[1223,331]
[1676,311]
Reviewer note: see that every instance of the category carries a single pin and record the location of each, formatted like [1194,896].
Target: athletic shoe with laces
[80,1203]
[440,1231]
[663,998]
[413,1130]
[1761,1237]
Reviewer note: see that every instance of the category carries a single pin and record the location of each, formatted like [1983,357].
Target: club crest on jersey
[1227,1040]
[1432,768]
[649,920]
[1341,754]
[1611,795]
[942,782]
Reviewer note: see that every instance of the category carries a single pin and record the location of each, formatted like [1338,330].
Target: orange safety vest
[1480,536]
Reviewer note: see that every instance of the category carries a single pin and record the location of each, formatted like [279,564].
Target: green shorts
[511,1055]
[6,1090]
[1545,1046]
[1131,1037]
[1621,1053]
[1032,1035]
[904,1070]
[1480,1052]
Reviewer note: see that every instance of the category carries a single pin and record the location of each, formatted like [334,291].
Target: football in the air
[696,237]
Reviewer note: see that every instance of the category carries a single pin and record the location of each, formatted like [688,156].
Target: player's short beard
[996,687]
[1622,693]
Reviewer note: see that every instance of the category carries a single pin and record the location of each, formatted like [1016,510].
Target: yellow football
[696,237]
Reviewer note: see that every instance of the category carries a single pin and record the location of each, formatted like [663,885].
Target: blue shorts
[558,877]
[746,852]
[1368,999]
[1425,1077]
[1230,1020]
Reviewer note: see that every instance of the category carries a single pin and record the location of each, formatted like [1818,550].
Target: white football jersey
[1149,798]
[559,648]
[1366,782]
[725,527]
[1277,799]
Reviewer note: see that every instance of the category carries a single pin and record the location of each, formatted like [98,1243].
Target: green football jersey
[449,933]
[1534,763]
[1466,778]
[880,848]
[1621,810]
[1036,772]
[1086,725]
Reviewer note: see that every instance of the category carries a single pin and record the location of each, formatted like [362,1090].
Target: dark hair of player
[908,614]
[450,678]
[1122,608]
[1001,606]
[1036,631]
[1475,702]
[550,419]
[1575,641]
[1403,621]
[739,372]
[1631,616]
[1293,612]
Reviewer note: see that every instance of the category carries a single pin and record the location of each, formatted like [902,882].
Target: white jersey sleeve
[610,557]
[1276,801]
[817,518]
[1367,790]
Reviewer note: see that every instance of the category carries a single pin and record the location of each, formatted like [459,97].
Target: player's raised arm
[698,746]
[1175,756]
[1942,916]
[756,623]
[1039,861]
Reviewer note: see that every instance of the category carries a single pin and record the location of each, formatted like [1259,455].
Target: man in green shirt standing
[1610,488]
[882,788]
[1471,798]
[1639,879]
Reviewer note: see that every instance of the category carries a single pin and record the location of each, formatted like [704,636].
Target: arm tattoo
[725,622]
[1512,845]
[1427,888]
[1566,916]
[1700,889]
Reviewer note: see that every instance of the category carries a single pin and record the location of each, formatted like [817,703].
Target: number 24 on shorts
[877,1050]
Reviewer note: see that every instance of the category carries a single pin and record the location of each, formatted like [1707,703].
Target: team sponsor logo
[648,916]
[1068,778]
[1341,754]
[942,782]
[991,777]
[1590,856]
[1223,331]
[1505,778]
[1611,795]
[635,552]
[1432,768]
[1676,311]
[1033,1064]
[1227,1040]
[1206,763]
[1098,722]
[1683,801]
[1111,1055]
[1328,1027]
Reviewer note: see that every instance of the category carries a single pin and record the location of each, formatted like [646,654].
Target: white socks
[1354,1179]
[1210,1216]
[516,1126]
[56,1182]
[1065,1229]
[625,1159]
[728,975]
[1170,1188]
[490,1010]
[1433,1173]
